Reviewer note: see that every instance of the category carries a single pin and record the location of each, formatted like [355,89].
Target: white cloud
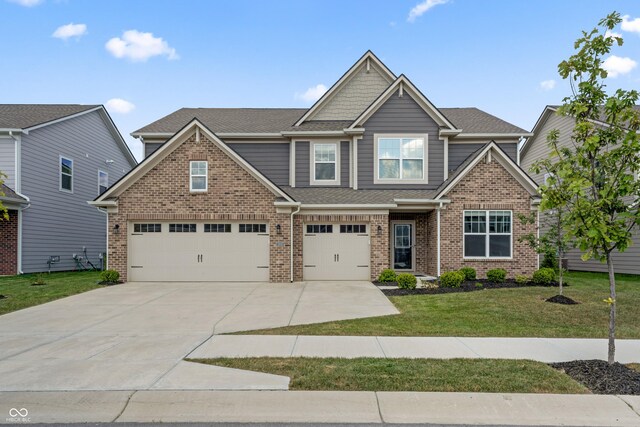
[547,85]
[120,106]
[421,8]
[631,25]
[27,3]
[139,47]
[65,32]
[610,34]
[616,65]
[313,93]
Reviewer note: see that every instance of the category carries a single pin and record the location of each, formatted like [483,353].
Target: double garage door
[336,251]
[197,251]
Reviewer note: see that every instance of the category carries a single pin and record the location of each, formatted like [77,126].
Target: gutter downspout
[18,189]
[291,242]
[438,228]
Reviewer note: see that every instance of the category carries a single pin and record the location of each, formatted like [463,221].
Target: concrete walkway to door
[135,336]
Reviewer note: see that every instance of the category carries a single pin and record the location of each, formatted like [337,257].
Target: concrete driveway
[134,336]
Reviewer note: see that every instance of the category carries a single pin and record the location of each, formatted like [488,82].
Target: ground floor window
[487,234]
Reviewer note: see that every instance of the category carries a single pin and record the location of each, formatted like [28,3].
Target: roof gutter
[421,201]
[103,203]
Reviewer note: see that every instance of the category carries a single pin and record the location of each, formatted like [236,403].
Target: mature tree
[595,178]
[4,213]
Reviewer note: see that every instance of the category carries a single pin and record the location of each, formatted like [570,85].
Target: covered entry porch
[413,242]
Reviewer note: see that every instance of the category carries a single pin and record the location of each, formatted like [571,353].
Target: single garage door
[198,252]
[336,251]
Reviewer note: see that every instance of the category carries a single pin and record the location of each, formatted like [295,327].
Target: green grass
[369,374]
[634,366]
[519,312]
[21,294]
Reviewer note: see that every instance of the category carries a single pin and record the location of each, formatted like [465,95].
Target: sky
[144,59]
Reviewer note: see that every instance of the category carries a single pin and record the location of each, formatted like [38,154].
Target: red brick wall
[9,244]
[486,187]
[233,194]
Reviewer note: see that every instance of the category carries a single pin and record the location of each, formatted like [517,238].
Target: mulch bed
[602,378]
[119,282]
[561,299]
[2,296]
[468,286]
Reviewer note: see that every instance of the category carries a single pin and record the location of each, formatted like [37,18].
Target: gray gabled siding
[8,160]
[303,164]
[60,223]
[400,115]
[269,158]
[459,152]
[151,147]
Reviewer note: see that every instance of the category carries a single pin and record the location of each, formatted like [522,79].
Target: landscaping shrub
[550,260]
[451,279]
[110,276]
[387,275]
[544,276]
[522,279]
[406,281]
[497,275]
[479,285]
[469,273]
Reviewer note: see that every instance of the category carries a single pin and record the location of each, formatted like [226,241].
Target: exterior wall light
[116,229]
[379,230]
[278,229]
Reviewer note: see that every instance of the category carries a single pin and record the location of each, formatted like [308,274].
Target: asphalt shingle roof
[322,196]
[23,116]
[9,193]
[474,120]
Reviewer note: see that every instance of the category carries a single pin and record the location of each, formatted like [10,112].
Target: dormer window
[325,162]
[400,159]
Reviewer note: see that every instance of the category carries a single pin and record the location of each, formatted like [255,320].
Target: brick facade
[9,244]
[233,194]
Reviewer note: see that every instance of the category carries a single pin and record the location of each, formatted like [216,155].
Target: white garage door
[197,252]
[336,251]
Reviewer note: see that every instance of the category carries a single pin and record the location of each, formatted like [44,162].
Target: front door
[402,250]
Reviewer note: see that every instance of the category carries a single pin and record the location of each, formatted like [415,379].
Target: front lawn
[520,312]
[370,374]
[19,292]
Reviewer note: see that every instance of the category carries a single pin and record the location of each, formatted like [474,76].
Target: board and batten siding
[399,115]
[270,158]
[8,160]
[625,262]
[62,223]
[459,152]
[303,163]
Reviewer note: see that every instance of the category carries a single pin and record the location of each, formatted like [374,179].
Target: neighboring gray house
[536,148]
[56,158]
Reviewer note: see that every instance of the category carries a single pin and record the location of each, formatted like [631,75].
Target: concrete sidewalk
[321,407]
[545,350]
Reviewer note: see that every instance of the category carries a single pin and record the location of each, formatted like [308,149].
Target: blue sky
[491,54]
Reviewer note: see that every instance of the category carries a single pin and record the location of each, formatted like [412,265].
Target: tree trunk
[560,252]
[612,310]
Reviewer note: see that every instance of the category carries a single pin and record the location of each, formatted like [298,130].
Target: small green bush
[451,279]
[522,279]
[39,280]
[479,285]
[110,276]
[469,273]
[550,260]
[406,281]
[387,275]
[544,276]
[497,275]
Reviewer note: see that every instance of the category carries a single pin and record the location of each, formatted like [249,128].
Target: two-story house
[372,176]
[56,157]
[536,148]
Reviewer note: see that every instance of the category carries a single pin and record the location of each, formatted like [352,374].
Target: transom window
[400,159]
[253,228]
[198,175]
[217,228]
[182,228]
[319,228]
[103,181]
[66,174]
[487,234]
[325,163]
[353,228]
[147,228]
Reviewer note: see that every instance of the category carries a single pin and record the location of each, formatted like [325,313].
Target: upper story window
[66,174]
[400,159]
[198,175]
[325,164]
[487,234]
[103,181]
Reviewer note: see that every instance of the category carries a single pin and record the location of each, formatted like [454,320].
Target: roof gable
[353,92]
[195,126]
[27,116]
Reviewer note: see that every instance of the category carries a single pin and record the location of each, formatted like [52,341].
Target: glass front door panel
[403,247]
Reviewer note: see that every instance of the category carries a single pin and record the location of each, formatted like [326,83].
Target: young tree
[595,179]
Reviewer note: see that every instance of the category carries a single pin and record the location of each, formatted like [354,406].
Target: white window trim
[107,175]
[425,159]
[312,161]
[487,234]
[60,157]
[206,177]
